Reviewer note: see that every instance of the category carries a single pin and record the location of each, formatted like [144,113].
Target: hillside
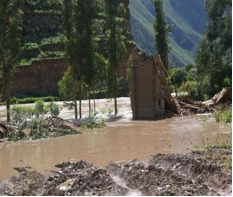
[188,17]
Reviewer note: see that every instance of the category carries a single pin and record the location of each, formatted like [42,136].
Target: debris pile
[187,106]
[26,184]
[82,179]
[37,128]
[172,175]
[4,131]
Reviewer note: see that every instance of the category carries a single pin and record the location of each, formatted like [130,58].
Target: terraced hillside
[42,36]
[188,17]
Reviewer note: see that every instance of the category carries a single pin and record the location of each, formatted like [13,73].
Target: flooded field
[122,140]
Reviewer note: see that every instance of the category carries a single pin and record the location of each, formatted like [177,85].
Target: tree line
[83,22]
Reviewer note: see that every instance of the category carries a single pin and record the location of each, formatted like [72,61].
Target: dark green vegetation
[31,100]
[213,69]
[223,115]
[116,47]
[214,56]
[10,44]
[184,80]
[189,19]
[42,34]
[31,123]
[162,31]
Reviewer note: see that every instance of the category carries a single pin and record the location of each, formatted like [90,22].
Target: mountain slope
[188,17]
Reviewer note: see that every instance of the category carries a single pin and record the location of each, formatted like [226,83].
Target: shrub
[19,113]
[191,88]
[66,86]
[223,115]
[40,107]
[91,122]
[54,109]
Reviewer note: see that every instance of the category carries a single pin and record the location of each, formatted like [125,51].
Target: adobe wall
[147,99]
[39,79]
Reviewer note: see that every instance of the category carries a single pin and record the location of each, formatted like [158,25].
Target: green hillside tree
[79,23]
[72,51]
[214,54]
[162,31]
[115,46]
[10,44]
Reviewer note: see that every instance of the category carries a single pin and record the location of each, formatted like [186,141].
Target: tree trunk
[75,105]
[94,100]
[7,94]
[80,99]
[89,89]
[115,95]
[115,105]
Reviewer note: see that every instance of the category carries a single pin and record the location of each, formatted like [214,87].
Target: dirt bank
[161,175]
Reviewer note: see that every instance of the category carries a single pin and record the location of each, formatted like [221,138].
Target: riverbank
[173,174]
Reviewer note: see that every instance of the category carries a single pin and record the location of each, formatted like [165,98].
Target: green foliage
[31,100]
[66,86]
[116,47]
[178,76]
[25,125]
[214,56]
[191,88]
[30,46]
[20,113]
[10,44]
[60,39]
[91,122]
[54,109]
[162,31]
[223,115]
[40,107]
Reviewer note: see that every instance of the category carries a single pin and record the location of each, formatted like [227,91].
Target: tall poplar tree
[162,31]
[115,46]
[10,44]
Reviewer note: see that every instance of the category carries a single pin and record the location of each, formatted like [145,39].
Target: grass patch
[223,115]
[219,154]
[209,146]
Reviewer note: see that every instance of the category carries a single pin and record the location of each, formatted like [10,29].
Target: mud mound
[172,175]
[81,179]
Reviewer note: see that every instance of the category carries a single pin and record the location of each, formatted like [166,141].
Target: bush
[54,109]
[25,125]
[191,88]
[223,115]
[30,46]
[66,86]
[19,113]
[91,122]
[40,108]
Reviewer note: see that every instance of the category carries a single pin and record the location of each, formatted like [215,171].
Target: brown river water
[122,140]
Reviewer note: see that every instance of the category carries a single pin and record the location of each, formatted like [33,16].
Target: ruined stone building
[147,95]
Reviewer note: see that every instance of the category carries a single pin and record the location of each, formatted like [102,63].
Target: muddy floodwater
[122,140]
